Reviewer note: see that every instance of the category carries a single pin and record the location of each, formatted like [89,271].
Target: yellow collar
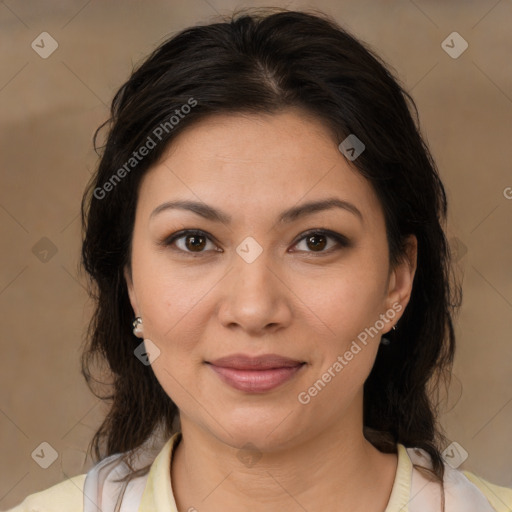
[158,496]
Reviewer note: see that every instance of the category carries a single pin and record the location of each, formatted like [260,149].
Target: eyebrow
[289,215]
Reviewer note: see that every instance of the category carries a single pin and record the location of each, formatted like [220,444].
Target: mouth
[255,375]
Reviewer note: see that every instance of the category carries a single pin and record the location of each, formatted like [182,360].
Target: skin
[295,299]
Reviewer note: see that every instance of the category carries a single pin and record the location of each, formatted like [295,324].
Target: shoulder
[499,497]
[104,487]
[66,496]
[464,491]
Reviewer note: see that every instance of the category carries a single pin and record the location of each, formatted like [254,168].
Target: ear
[401,277]
[131,292]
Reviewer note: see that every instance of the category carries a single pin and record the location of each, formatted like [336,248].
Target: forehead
[252,162]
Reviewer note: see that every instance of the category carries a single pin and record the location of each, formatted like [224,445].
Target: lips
[255,374]
[264,362]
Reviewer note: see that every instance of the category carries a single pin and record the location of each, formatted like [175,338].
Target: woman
[264,232]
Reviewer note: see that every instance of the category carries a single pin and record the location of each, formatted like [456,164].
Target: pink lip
[255,374]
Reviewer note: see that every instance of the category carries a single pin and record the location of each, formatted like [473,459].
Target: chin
[266,434]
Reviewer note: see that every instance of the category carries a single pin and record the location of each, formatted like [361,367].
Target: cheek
[345,301]
[172,301]
[174,316]
[346,342]
[171,310]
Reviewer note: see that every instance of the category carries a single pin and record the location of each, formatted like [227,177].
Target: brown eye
[195,242]
[316,242]
[322,241]
[190,242]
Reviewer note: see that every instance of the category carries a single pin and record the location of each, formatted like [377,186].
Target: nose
[255,298]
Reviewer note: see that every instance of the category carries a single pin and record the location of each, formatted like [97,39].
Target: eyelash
[341,240]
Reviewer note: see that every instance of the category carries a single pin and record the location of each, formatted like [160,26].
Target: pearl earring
[137,326]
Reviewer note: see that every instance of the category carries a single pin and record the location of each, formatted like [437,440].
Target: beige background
[50,108]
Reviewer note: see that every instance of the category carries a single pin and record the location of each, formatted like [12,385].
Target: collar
[158,496]
[400,493]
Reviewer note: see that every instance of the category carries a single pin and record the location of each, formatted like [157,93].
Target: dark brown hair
[264,63]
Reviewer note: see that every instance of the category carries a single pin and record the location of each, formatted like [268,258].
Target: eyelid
[341,240]
[169,240]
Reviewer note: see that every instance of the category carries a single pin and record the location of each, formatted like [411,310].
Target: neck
[338,469]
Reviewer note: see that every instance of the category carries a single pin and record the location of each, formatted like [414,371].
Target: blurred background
[60,65]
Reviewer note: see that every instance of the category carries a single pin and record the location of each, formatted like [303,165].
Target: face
[260,273]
